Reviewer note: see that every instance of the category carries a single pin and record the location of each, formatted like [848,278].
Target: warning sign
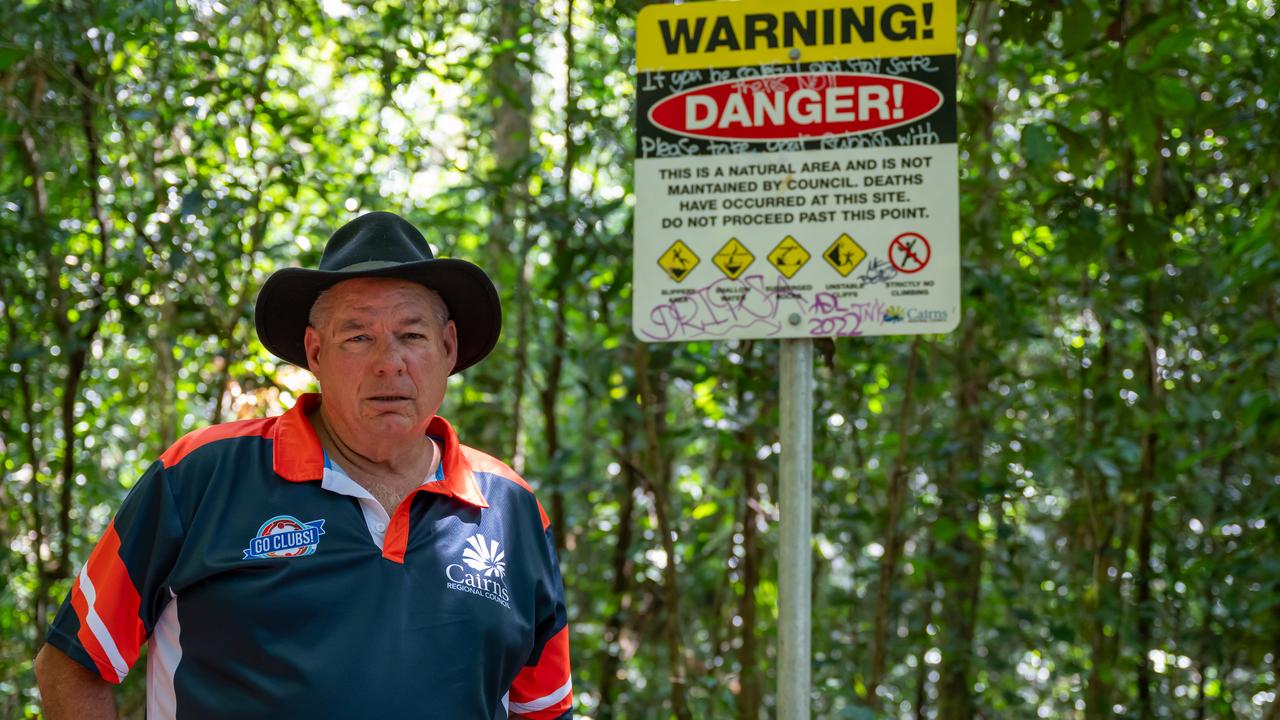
[735,34]
[733,258]
[789,256]
[844,255]
[678,261]
[814,121]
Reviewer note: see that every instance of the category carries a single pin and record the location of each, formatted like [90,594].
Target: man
[348,559]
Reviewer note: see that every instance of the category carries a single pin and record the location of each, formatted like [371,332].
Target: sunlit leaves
[1118,219]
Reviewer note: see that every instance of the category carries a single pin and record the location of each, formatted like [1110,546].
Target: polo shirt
[266,583]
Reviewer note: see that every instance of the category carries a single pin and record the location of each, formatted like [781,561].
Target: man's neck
[412,462]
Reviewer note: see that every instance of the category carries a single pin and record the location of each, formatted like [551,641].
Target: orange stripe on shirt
[117,601]
[536,683]
[193,441]
[396,542]
[88,640]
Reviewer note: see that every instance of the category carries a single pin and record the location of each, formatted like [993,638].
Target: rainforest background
[1067,508]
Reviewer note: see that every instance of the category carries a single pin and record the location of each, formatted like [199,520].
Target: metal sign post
[794,563]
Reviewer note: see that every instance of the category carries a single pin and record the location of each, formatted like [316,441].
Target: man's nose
[389,359]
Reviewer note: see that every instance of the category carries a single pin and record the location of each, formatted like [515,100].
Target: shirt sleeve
[544,690]
[120,592]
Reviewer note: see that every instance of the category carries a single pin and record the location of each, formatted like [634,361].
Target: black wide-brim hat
[379,245]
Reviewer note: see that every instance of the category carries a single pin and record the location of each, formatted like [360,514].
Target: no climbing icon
[909,252]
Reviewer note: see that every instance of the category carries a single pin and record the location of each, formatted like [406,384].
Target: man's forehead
[379,295]
[377,286]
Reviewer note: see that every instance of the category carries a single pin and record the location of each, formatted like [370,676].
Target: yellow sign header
[697,35]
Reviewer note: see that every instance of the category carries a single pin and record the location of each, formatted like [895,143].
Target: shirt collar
[298,456]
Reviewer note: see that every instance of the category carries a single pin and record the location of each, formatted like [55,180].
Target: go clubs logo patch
[482,572]
[285,536]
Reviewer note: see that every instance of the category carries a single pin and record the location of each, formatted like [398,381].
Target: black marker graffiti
[878,272]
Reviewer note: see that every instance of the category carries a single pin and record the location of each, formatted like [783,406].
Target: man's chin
[394,423]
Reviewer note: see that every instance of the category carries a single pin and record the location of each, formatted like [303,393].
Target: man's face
[382,357]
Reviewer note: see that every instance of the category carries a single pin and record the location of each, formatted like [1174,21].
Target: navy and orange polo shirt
[266,583]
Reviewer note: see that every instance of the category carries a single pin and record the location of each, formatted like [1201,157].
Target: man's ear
[451,343]
[311,341]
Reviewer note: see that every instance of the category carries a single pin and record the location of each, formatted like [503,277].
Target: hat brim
[283,307]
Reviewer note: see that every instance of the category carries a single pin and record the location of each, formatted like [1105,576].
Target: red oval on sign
[795,107]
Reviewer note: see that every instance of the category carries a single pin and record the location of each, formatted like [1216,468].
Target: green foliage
[1090,505]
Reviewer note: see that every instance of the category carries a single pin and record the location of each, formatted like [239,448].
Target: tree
[1067,506]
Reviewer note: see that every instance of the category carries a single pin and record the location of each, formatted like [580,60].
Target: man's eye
[358,338]
[414,336]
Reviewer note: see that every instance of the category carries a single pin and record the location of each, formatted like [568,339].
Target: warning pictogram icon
[733,258]
[789,256]
[678,261]
[844,254]
[909,252]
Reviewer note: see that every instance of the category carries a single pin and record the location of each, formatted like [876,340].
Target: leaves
[1117,352]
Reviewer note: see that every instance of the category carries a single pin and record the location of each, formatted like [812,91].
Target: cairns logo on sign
[784,107]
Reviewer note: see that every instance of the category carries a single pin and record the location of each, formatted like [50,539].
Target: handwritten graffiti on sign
[831,316]
[726,307]
[877,271]
[723,308]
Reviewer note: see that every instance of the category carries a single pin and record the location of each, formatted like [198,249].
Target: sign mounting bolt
[794,54]
[794,319]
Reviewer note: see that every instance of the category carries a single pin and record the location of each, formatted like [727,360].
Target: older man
[347,559]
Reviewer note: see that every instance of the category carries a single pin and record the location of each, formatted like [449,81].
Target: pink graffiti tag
[831,317]
[717,310]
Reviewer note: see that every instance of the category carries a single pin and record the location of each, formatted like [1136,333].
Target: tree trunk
[961,573]
[510,144]
[658,475]
[922,667]
[1101,603]
[1146,493]
[558,291]
[893,538]
[749,695]
[620,589]
[30,156]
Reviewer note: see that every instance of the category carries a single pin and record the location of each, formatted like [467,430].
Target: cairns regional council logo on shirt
[482,572]
[285,536]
